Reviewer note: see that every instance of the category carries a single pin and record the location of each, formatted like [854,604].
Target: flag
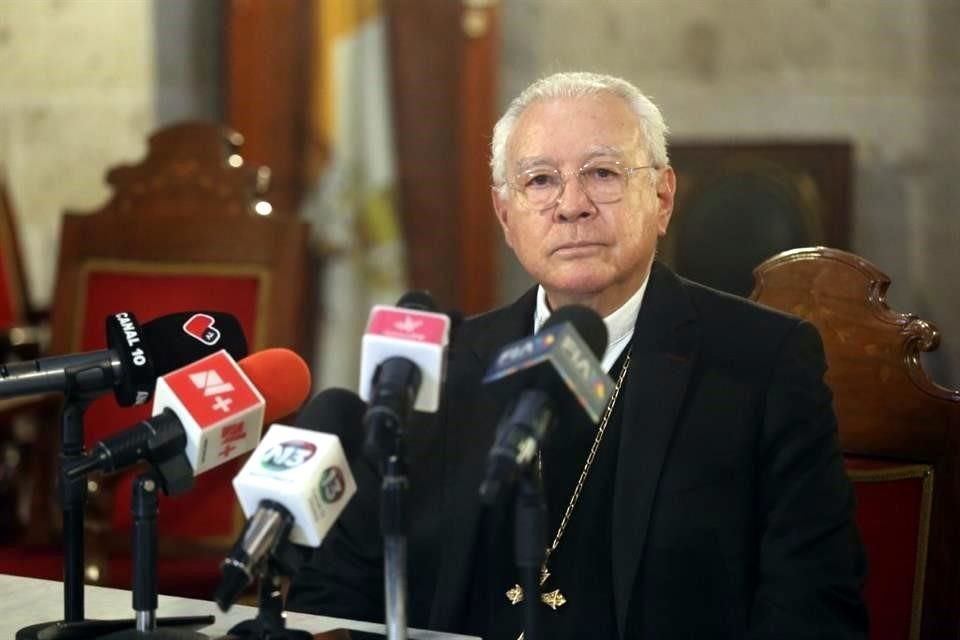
[352,201]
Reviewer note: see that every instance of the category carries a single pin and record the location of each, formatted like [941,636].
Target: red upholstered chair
[21,337]
[12,285]
[181,232]
[899,431]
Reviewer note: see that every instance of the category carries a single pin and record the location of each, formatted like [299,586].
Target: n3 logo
[332,484]
[287,455]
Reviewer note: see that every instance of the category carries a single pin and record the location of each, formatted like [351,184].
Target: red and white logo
[210,382]
[212,389]
[230,437]
[406,324]
[200,326]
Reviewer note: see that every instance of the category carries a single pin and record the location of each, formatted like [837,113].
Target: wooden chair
[899,431]
[183,230]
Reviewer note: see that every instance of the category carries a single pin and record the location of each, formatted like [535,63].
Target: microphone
[561,360]
[134,357]
[204,415]
[294,486]
[402,366]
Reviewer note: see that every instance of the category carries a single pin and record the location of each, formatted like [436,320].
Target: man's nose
[574,202]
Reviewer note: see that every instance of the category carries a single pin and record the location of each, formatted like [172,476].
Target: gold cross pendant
[553,599]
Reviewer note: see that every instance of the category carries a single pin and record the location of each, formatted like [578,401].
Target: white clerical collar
[620,323]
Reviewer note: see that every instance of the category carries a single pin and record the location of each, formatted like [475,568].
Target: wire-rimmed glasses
[604,182]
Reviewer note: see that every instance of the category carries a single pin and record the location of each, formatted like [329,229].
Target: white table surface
[27,601]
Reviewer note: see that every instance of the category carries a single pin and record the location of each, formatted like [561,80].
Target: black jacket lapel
[664,348]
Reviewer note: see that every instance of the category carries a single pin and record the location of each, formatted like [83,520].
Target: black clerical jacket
[732,516]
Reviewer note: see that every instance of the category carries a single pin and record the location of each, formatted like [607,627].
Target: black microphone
[559,361]
[287,501]
[135,356]
[338,412]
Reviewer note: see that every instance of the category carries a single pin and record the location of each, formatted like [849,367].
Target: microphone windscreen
[338,412]
[283,379]
[421,300]
[588,324]
[177,339]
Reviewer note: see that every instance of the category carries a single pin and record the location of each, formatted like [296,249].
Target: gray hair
[574,85]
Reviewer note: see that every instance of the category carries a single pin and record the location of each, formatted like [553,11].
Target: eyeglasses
[604,182]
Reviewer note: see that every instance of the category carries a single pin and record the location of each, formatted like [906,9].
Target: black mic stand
[393,524]
[145,508]
[397,381]
[270,624]
[73,499]
[529,540]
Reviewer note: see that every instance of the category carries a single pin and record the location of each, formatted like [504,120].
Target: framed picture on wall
[737,204]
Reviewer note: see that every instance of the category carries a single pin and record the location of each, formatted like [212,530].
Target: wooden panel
[267,60]
[443,115]
[478,92]
[427,124]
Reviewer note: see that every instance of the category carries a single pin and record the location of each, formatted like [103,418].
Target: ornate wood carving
[191,169]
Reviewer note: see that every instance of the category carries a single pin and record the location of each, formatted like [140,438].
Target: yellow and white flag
[352,204]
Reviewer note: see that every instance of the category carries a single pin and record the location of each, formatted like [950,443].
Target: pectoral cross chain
[553,599]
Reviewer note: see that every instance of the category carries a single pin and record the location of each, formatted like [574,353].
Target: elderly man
[710,502]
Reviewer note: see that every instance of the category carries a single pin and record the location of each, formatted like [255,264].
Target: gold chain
[556,599]
[578,489]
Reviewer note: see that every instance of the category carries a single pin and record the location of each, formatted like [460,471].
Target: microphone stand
[270,623]
[145,508]
[393,523]
[529,540]
[73,498]
[397,381]
[73,501]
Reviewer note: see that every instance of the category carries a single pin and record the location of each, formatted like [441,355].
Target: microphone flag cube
[419,336]
[220,409]
[305,471]
[561,348]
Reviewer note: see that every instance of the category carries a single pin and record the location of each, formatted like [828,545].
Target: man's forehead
[574,129]
[590,152]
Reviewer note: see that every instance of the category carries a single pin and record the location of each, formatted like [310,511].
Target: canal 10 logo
[291,454]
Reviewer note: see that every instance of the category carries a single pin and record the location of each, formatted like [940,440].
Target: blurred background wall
[83,82]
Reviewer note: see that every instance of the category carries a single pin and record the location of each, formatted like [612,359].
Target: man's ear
[666,190]
[501,210]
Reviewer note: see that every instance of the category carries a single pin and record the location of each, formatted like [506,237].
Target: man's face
[579,250]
